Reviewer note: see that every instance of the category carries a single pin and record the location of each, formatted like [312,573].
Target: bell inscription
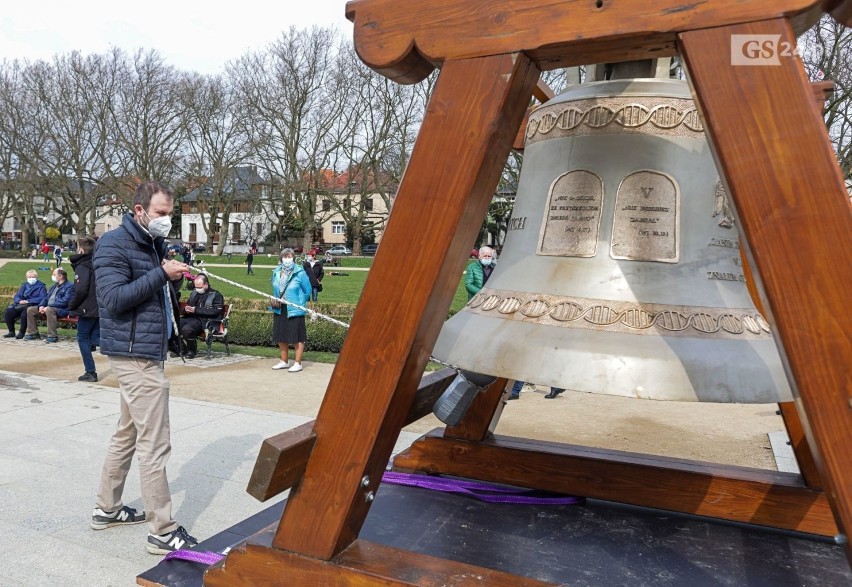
[573,216]
[646,223]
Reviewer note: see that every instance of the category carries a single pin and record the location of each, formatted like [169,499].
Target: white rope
[283,301]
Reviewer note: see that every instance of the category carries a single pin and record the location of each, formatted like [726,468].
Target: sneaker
[10,335]
[295,368]
[280,365]
[51,339]
[102,520]
[166,543]
[88,376]
[32,336]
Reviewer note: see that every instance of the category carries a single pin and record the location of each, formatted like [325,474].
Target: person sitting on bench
[31,293]
[205,303]
[58,298]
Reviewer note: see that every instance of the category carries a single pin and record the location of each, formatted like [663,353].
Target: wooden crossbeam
[741,494]
[405,44]
[282,458]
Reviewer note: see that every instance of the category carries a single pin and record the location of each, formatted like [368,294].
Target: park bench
[215,330]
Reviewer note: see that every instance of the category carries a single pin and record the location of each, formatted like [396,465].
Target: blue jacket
[297,289]
[36,295]
[132,292]
[64,293]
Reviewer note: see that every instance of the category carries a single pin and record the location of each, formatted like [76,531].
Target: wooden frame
[788,196]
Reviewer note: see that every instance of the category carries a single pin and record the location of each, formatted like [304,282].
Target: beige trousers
[143,428]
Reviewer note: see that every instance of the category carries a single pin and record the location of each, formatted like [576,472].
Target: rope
[314,314]
[281,300]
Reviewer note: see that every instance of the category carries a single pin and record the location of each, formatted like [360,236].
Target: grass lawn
[337,289]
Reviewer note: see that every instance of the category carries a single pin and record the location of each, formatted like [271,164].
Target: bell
[621,271]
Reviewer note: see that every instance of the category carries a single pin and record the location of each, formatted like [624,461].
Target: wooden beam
[471,119]
[740,494]
[361,564]
[404,44]
[281,462]
[283,457]
[789,199]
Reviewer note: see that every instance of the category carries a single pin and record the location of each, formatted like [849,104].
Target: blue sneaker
[32,336]
[175,540]
[52,339]
[102,520]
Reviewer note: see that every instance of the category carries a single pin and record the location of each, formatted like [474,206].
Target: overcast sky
[191,34]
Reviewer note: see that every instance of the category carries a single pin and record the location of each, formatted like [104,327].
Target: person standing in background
[249,261]
[479,271]
[85,304]
[289,282]
[313,267]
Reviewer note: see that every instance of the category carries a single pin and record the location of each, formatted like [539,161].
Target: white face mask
[161,226]
[485,262]
[53,278]
[287,262]
[309,258]
[200,290]
[32,280]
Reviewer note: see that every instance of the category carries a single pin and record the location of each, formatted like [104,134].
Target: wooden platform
[598,543]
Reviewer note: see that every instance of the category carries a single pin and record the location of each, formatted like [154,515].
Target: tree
[826,50]
[296,95]
[217,146]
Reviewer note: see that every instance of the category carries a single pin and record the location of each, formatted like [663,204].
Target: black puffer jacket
[130,292]
[85,301]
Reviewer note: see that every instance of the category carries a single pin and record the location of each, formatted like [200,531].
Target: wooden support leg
[471,120]
[483,415]
[790,201]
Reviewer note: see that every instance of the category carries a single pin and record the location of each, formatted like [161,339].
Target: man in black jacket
[205,303]
[137,305]
[85,305]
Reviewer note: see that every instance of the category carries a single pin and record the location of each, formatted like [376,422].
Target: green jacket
[474,279]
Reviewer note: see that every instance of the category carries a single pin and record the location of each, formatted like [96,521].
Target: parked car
[199,247]
[340,250]
[369,249]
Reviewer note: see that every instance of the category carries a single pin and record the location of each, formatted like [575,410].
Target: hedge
[251,325]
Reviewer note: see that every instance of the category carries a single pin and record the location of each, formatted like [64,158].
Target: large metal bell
[621,272]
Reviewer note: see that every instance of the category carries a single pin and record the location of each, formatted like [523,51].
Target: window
[193,232]
[258,229]
[235,231]
[326,205]
[338,227]
[368,204]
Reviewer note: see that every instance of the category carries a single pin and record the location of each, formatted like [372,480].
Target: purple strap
[482,491]
[197,556]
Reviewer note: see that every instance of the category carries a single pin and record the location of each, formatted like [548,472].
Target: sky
[194,35]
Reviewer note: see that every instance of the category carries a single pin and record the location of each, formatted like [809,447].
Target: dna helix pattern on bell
[621,272]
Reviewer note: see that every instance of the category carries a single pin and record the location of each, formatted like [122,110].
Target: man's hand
[41,309]
[174,269]
[189,309]
[274,302]
[23,302]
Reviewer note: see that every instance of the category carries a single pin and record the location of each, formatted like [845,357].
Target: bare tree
[217,145]
[148,115]
[827,54]
[293,92]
